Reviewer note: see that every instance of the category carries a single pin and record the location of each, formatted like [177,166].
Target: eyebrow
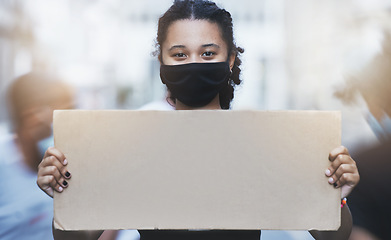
[176,46]
[211,45]
[204,46]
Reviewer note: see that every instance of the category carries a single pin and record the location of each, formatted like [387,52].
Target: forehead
[193,33]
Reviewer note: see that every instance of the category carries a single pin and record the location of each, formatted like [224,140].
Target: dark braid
[204,10]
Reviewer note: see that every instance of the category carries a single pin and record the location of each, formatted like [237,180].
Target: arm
[53,176]
[342,173]
[342,233]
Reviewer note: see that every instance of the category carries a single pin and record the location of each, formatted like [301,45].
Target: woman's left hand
[342,172]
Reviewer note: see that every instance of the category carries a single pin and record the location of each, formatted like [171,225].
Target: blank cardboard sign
[197,170]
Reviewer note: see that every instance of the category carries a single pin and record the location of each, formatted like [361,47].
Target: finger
[54,184]
[48,184]
[53,161]
[337,151]
[43,184]
[339,160]
[350,179]
[52,151]
[53,171]
[342,169]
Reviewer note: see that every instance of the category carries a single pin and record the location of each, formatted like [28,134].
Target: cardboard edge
[331,229]
[57,225]
[311,229]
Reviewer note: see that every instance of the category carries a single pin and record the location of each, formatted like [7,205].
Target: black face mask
[195,84]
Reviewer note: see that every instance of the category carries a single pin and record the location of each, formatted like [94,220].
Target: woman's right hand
[52,172]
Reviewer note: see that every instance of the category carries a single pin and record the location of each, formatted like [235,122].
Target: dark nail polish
[67,174]
[65,183]
[335,185]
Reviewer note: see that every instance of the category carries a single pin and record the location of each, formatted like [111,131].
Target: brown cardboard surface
[197,169]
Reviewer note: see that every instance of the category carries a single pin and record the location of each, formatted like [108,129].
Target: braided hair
[204,10]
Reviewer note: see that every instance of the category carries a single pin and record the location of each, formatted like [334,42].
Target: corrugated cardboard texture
[197,170]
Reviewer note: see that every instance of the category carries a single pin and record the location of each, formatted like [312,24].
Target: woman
[200,66]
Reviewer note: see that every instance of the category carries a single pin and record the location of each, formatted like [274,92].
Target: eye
[179,55]
[208,54]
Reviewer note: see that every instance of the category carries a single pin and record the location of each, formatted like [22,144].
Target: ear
[231,60]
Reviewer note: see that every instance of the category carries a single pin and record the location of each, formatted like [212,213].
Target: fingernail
[335,185]
[328,172]
[60,189]
[331,180]
[65,183]
[67,174]
[65,162]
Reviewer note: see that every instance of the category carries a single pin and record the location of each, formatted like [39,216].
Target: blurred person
[373,84]
[200,65]
[370,202]
[26,213]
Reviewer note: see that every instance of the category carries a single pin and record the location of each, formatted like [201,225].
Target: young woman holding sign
[200,65]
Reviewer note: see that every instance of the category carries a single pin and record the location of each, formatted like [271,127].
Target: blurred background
[299,54]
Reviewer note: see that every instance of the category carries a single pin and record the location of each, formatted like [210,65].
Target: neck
[213,105]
